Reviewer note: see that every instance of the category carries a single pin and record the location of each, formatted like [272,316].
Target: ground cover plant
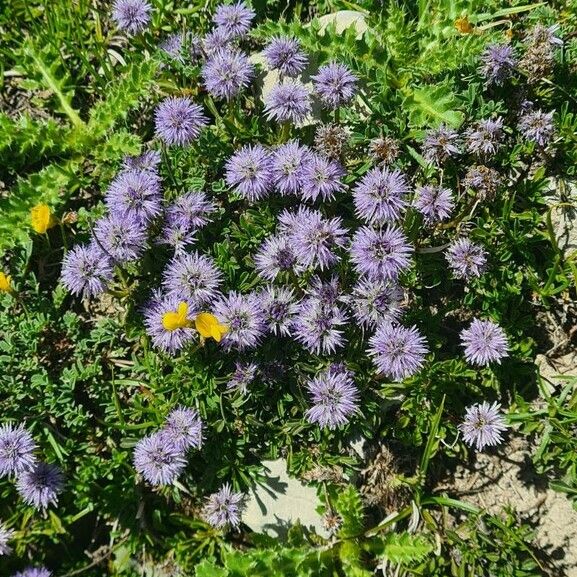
[241,232]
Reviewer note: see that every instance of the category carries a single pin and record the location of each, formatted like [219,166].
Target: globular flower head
[194,278]
[169,341]
[466,259]
[537,126]
[485,342]
[149,160]
[173,46]
[215,40]
[242,377]
[485,138]
[380,254]
[483,425]
[136,192]
[178,120]
[183,428]
[132,16]
[276,255]
[435,203]
[226,73]
[249,171]
[279,308]
[380,196]
[441,144]
[191,209]
[287,167]
[321,178]
[285,55]
[335,84]
[483,180]
[158,459]
[16,450]
[34,572]
[5,536]
[120,236]
[497,63]
[224,508]
[334,397]
[243,315]
[40,485]
[398,352]
[376,301]
[86,270]
[288,102]
[233,19]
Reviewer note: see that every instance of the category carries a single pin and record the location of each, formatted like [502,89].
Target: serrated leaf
[406,548]
[209,569]
[432,106]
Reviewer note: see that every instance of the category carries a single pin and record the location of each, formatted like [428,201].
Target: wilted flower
[321,177]
[133,16]
[16,450]
[41,218]
[335,84]
[178,120]
[183,428]
[539,57]
[441,144]
[227,72]
[288,102]
[86,270]
[375,301]
[380,196]
[5,536]
[224,508]
[121,236]
[335,398]
[485,138]
[287,166]
[435,203]
[483,425]
[483,180]
[233,19]
[485,342]
[397,352]
[285,55]
[158,459]
[380,254]
[40,485]
[497,63]
[384,149]
[279,308]
[249,171]
[537,126]
[242,377]
[331,139]
[466,259]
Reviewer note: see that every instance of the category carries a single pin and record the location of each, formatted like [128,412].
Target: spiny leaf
[406,548]
[433,105]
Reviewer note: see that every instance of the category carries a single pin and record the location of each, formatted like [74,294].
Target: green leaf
[209,569]
[433,105]
[349,506]
[406,548]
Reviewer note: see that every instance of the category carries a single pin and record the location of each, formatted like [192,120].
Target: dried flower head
[384,149]
[332,140]
[483,425]
[485,137]
[441,144]
[484,181]
[485,342]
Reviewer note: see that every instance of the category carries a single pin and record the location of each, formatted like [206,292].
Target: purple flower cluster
[483,425]
[484,342]
[249,171]
[285,55]
[234,20]
[497,63]
[435,203]
[5,536]
[537,126]
[224,508]
[244,374]
[133,16]
[33,572]
[466,259]
[288,102]
[227,72]
[485,138]
[441,144]
[40,485]
[179,121]
[335,84]
[17,449]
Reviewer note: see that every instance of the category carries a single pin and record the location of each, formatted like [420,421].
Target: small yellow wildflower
[209,326]
[42,218]
[5,283]
[173,320]
[463,25]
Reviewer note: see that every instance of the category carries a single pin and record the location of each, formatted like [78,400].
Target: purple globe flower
[183,428]
[249,171]
[120,236]
[435,203]
[321,177]
[40,485]
[233,19]
[276,255]
[149,160]
[334,396]
[226,73]
[33,572]
[86,270]
[483,425]
[380,196]
[169,341]
[243,315]
[376,301]
[178,121]
[485,138]
[224,508]
[5,536]
[173,46]
[279,309]
[158,459]
[136,192]
[335,84]
[191,209]
[215,40]
[380,254]
[485,342]
[441,144]
[318,327]
[537,126]
[327,293]
[176,235]
[397,352]
[466,259]
[287,167]
[316,239]
[285,55]
[244,374]
[16,450]
[497,63]
[193,278]
[288,102]
[132,16]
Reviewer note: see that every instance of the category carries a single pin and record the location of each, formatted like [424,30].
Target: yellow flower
[173,320]
[5,283]
[42,219]
[463,25]
[209,326]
